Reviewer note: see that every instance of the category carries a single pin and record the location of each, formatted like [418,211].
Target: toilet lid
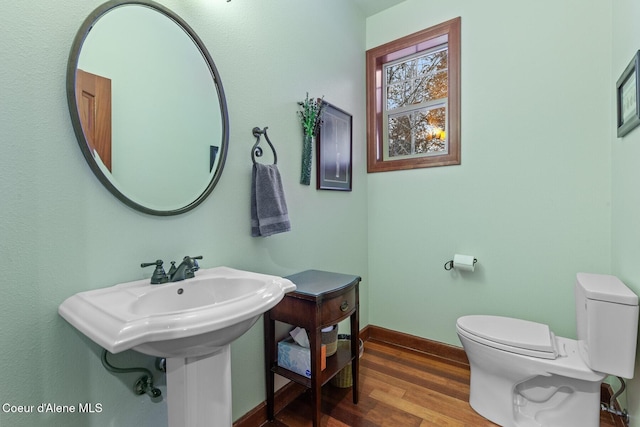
[515,335]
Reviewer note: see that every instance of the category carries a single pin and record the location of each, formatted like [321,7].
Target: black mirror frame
[72,65]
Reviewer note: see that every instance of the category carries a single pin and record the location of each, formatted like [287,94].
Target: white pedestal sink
[193,401]
[191,323]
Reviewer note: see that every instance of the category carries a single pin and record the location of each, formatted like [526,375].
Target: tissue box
[297,359]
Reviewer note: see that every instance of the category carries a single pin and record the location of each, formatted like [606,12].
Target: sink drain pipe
[143,384]
[611,407]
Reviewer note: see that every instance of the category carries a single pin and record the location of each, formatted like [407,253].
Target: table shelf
[335,364]
[321,299]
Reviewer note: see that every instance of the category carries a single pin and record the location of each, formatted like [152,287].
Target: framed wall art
[334,150]
[628,98]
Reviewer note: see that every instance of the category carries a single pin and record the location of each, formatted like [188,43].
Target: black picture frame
[335,150]
[628,98]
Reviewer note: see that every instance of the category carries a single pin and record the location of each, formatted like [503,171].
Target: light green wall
[626,175]
[533,212]
[539,195]
[61,232]
[531,199]
[545,188]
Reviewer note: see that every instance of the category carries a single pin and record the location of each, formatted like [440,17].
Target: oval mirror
[147,107]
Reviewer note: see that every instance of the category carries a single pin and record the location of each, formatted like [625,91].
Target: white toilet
[523,375]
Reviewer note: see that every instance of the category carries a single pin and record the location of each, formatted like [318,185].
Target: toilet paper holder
[449,265]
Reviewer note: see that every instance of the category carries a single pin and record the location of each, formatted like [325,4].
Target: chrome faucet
[185,270]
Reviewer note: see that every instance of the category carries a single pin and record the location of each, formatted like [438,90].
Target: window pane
[421,132]
[430,131]
[400,72]
[398,94]
[434,87]
[400,136]
[433,62]
[417,80]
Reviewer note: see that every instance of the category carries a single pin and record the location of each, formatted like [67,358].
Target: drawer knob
[344,306]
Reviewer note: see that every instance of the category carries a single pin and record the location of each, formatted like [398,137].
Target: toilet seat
[509,334]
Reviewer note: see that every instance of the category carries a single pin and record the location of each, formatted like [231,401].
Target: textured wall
[61,232]
[531,199]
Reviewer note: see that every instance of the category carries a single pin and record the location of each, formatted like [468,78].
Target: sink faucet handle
[195,267]
[172,269]
[190,264]
[158,276]
[157,262]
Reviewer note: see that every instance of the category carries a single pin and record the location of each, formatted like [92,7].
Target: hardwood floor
[399,388]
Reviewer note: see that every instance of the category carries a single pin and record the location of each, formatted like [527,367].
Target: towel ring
[256,151]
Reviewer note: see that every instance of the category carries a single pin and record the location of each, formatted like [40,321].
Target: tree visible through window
[413,100]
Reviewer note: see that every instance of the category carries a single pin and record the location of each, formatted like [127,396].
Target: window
[413,100]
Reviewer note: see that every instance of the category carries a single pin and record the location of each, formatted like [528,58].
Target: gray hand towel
[269,213]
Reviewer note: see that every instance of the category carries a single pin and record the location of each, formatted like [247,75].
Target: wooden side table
[321,299]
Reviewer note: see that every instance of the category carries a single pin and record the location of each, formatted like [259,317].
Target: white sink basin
[194,317]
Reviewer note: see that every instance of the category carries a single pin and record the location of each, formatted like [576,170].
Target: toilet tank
[607,322]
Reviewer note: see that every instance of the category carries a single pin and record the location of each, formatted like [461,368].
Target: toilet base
[519,391]
[541,401]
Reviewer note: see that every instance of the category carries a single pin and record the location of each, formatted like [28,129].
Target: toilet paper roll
[464,262]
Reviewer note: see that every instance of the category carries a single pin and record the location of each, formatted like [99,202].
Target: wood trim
[375,58]
[258,415]
[445,351]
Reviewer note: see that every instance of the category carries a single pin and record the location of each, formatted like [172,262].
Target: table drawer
[337,307]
